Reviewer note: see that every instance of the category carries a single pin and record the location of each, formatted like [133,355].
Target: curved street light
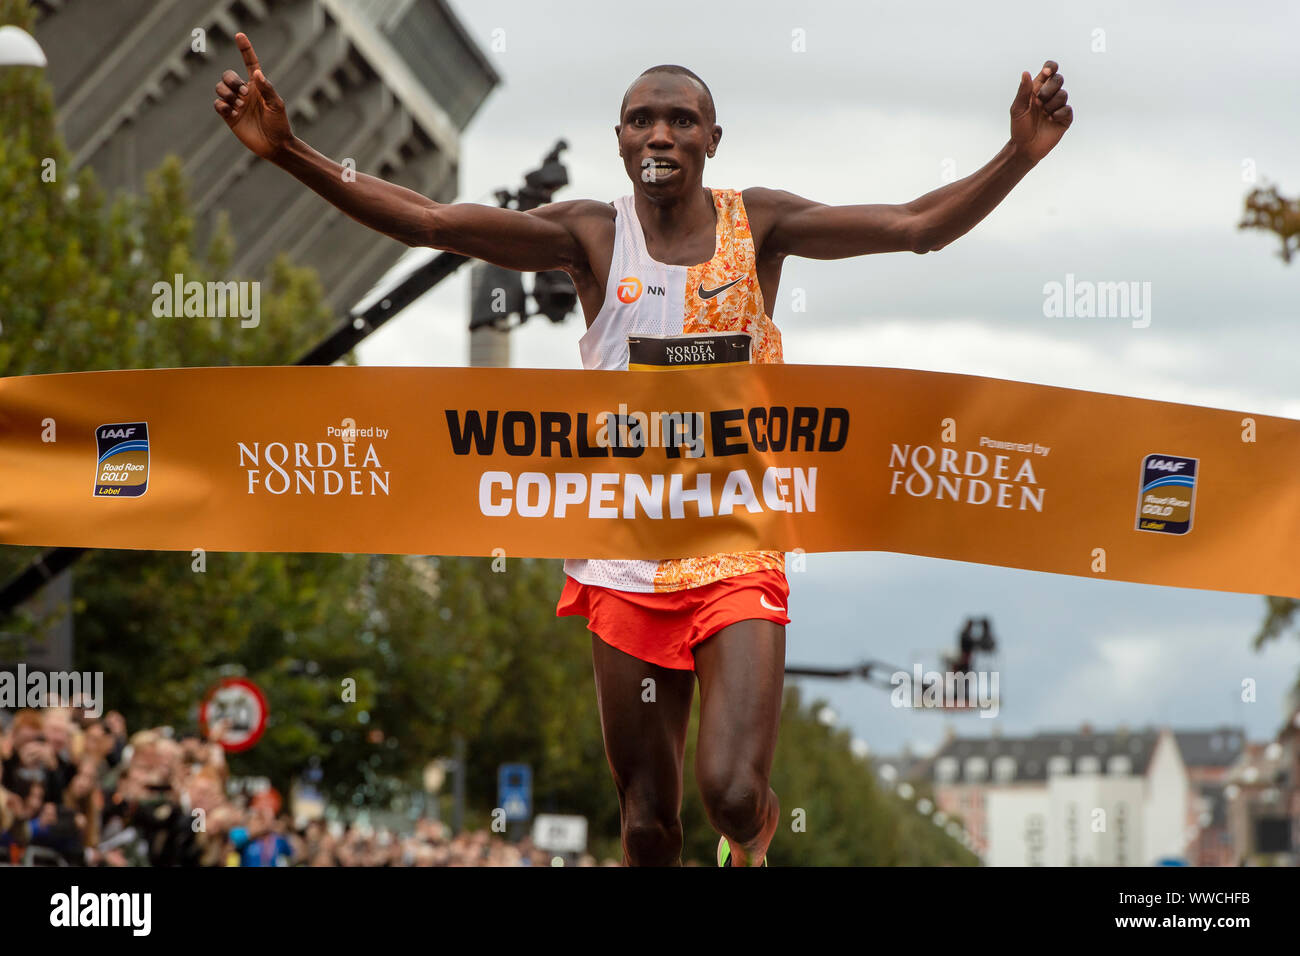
[19,48]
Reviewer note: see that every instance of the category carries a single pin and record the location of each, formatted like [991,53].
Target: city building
[1257,795]
[386,84]
[1120,798]
[1209,756]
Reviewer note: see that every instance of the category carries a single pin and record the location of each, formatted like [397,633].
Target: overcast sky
[1185,99]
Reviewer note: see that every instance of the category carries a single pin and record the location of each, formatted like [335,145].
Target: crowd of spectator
[79,791]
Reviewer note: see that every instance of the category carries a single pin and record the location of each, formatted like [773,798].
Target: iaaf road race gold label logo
[122,463]
[1167,494]
[998,473]
[346,463]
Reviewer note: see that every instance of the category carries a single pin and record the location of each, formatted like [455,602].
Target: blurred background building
[1209,757]
[1119,798]
[389,84]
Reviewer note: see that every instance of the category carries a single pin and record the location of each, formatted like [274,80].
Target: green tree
[1266,209]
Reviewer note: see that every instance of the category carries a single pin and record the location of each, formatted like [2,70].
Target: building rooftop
[1030,759]
[1219,747]
[1003,759]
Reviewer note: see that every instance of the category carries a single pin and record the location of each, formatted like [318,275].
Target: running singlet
[646,297]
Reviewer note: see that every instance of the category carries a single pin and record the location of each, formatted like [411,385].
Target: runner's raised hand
[1039,116]
[252,108]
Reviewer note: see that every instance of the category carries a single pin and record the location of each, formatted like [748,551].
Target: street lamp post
[19,48]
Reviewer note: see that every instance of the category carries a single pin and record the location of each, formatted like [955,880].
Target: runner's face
[665,136]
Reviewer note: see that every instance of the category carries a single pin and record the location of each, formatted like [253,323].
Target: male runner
[718,255]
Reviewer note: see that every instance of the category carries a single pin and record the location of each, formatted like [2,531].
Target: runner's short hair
[710,111]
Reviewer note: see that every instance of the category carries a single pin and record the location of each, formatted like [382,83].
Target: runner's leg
[741,670]
[645,742]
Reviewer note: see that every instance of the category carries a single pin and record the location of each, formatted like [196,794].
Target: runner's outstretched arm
[801,227]
[524,241]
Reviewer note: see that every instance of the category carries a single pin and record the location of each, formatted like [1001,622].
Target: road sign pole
[458,811]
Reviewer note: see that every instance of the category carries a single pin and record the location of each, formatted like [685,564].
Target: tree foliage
[1266,209]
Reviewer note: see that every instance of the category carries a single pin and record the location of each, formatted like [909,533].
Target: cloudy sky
[1176,104]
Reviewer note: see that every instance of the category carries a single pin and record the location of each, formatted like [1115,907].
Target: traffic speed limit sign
[242,706]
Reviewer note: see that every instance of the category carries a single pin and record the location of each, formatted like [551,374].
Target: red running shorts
[664,628]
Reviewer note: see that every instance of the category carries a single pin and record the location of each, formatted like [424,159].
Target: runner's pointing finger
[246,49]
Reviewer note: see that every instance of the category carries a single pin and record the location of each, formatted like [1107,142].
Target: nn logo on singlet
[629,289]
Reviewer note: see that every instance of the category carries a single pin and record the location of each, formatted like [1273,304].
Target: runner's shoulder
[766,199]
[590,223]
[576,212]
[765,206]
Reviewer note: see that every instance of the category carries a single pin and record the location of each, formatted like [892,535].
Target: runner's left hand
[1039,114]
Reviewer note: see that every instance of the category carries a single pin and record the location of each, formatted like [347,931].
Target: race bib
[662,353]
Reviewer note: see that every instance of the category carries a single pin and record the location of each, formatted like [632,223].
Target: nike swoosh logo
[710,293]
[762,599]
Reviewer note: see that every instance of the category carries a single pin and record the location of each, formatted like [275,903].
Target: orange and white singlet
[646,297]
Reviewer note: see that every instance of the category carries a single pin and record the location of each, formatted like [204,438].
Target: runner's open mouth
[661,167]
